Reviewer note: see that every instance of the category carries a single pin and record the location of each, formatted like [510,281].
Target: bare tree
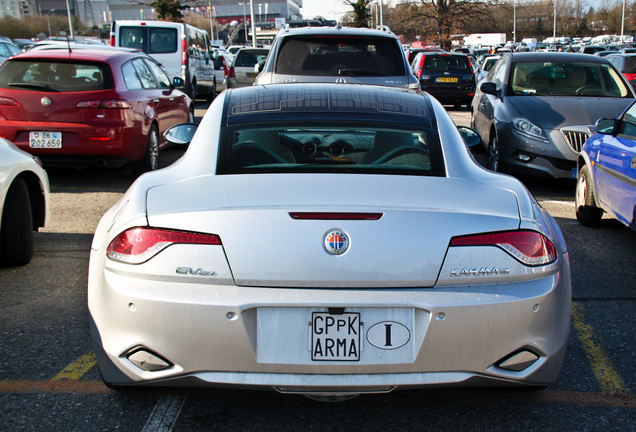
[449,16]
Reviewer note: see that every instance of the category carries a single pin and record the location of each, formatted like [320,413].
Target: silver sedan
[328,240]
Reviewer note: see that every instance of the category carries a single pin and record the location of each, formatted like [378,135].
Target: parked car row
[90,107]
[326,316]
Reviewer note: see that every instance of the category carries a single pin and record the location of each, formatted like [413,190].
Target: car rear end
[242,72]
[448,77]
[361,275]
[354,56]
[63,107]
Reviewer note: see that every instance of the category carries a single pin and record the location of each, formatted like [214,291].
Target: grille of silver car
[575,139]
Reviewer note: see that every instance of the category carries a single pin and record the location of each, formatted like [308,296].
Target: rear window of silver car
[340,55]
[50,75]
[316,148]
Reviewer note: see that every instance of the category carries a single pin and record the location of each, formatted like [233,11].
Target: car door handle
[171,99]
[155,101]
[634,162]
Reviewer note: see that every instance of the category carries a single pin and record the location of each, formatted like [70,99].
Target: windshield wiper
[358,72]
[33,86]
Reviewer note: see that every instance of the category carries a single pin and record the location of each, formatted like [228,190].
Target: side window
[4,52]
[146,77]
[628,125]
[130,76]
[13,50]
[163,40]
[162,78]
[132,37]
[493,71]
[499,76]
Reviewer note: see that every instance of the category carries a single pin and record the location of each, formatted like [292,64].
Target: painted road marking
[165,414]
[606,374]
[75,370]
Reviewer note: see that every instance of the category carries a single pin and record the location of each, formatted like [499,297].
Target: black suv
[449,77]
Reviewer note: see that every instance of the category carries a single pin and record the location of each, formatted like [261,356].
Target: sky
[328,9]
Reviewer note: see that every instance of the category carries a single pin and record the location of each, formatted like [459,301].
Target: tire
[587,213]
[193,91]
[16,237]
[210,97]
[150,161]
[492,159]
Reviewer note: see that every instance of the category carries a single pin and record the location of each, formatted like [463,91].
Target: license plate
[45,140]
[250,75]
[335,337]
[447,79]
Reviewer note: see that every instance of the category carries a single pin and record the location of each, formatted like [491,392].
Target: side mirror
[258,67]
[606,126]
[471,137]
[178,82]
[180,134]
[489,88]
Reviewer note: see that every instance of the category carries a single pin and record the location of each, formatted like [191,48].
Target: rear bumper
[81,143]
[221,335]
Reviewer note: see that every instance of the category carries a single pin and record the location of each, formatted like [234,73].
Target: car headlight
[528,129]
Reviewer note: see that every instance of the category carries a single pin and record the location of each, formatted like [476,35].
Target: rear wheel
[587,213]
[16,237]
[492,162]
[150,161]
[193,91]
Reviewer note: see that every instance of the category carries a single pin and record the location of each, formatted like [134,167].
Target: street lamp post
[70,20]
[253,26]
[623,24]
[381,13]
[554,32]
[514,21]
[48,20]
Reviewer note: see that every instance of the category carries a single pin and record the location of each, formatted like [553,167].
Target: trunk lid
[264,246]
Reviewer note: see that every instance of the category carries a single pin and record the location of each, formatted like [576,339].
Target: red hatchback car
[90,107]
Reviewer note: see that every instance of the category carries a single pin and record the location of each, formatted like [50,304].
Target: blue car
[606,180]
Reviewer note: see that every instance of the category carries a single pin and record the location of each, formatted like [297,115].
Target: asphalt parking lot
[49,381]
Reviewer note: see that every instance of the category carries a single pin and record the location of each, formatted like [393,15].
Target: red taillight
[112,40]
[231,73]
[630,76]
[138,245]
[104,103]
[529,247]
[5,101]
[184,52]
[226,71]
[419,68]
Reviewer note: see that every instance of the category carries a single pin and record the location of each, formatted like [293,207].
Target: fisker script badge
[336,242]
[45,101]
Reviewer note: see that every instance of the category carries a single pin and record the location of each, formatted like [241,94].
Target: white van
[183,50]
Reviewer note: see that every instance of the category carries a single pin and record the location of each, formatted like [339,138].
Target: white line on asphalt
[165,414]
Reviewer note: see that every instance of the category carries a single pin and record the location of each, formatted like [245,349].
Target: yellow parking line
[77,368]
[602,366]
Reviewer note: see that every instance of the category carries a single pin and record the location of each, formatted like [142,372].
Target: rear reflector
[334,216]
[529,247]
[138,245]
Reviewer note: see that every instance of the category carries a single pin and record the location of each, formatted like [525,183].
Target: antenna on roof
[69,43]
